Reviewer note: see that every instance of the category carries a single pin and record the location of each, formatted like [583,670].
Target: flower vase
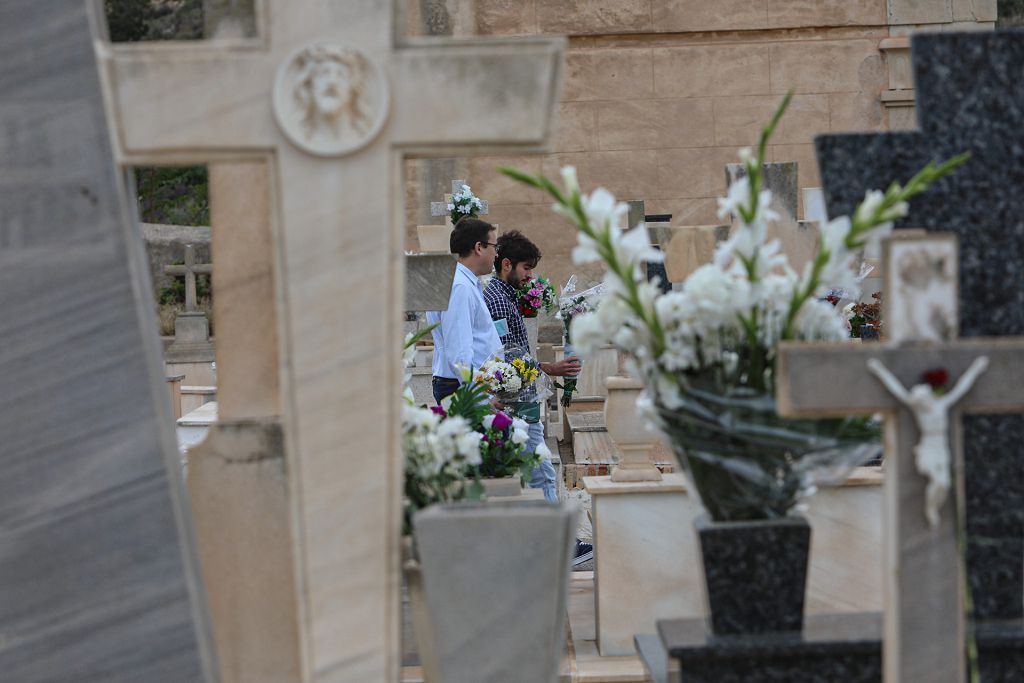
[755,574]
[495,581]
[502,487]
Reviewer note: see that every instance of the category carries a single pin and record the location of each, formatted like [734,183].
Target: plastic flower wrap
[570,304]
[464,203]
[534,295]
[706,354]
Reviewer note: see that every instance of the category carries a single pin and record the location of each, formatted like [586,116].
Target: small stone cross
[441,208]
[925,573]
[190,270]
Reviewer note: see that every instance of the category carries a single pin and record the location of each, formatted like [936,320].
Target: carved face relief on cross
[330,100]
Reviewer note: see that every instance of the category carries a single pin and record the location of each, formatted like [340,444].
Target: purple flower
[501,421]
[497,443]
[498,375]
[438,410]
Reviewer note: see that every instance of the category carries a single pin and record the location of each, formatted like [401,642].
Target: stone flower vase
[502,487]
[755,573]
[493,580]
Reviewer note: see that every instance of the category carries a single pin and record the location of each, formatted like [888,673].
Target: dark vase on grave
[755,574]
[750,467]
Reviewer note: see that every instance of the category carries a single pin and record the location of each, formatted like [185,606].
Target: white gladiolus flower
[603,213]
[585,250]
[819,320]
[488,421]
[746,156]
[587,332]
[569,180]
[738,195]
[520,436]
[838,271]
[635,247]
[451,206]
[519,423]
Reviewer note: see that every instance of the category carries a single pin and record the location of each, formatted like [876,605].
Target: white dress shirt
[466,335]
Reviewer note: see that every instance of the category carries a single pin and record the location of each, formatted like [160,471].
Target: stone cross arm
[190,269]
[823,380]
[205,99]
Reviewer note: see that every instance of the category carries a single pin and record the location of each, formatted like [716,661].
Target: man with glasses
[466,336]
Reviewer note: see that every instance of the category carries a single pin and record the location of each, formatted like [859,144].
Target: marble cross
[441,208]
[925,576]
[333,98]
[190,270]
[968,99]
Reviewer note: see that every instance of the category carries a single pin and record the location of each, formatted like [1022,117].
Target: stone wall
[659,94]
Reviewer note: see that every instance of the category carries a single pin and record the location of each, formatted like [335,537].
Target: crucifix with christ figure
[925,622]
[332,98]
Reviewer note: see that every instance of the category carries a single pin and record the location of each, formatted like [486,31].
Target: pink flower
[501,421]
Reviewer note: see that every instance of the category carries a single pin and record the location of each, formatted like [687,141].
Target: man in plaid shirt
[516,258]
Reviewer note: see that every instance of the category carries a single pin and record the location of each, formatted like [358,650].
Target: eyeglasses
[490,244]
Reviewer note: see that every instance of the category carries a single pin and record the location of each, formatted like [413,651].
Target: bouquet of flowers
[503,437]
[533,295]
[865,318]
[571,304]
[706,353]
[504,447]
[516,379]
[464,203]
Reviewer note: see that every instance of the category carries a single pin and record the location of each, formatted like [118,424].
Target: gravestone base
[641,540]
[191,340]
[832,647]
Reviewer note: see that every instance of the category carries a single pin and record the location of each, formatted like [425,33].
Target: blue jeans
[543,476]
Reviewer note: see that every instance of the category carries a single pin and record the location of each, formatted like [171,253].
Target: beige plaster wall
[659,94]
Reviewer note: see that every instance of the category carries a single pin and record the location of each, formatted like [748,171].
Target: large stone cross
[924,577]
[189,270]
[968,99]
[333,101]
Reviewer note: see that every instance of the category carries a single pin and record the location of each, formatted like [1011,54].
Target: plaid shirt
[500,298]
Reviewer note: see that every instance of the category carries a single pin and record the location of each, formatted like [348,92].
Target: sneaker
[584,553]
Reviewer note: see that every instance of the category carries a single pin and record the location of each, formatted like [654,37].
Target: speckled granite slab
[968,99]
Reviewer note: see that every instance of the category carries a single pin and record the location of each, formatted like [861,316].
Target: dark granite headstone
[969,98]
[98,580]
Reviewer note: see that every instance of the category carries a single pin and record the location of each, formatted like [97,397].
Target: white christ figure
[931,411]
